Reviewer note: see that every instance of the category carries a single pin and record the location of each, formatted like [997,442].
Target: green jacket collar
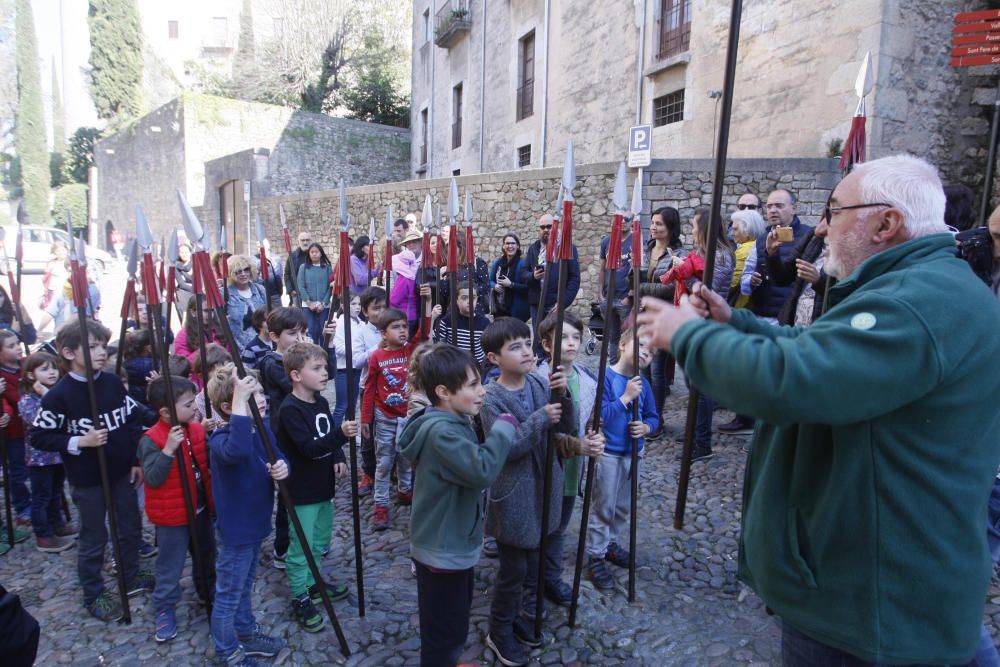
[905,255]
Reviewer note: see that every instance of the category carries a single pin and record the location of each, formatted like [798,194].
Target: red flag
[854,147]
[171,284]
[438,254]
[613,261]
[453,250]
[470,251]
[149,281]
[566,244]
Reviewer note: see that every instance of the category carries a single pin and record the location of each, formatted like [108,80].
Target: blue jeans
[232,616]
[174,543]
[703,423]
[660,375]
[18,475]
[46,498]
[93,538]
[340,382]
[316,321]
[797,650]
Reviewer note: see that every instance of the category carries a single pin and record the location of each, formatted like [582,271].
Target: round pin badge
[863,321]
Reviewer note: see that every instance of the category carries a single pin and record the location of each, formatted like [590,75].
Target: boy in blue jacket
[455,468]
[612,480]
[243,491]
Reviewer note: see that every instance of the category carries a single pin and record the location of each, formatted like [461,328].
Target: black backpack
[975,246]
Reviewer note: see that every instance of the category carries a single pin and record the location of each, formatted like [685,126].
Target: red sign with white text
[984,15]
[969,61]
[985,26]
[977,38]
[981,50]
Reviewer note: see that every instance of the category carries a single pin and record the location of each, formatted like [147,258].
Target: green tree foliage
[57,164]
[374,94]
[58,122]
[72,199]
[80,153]
[116,58]
[29,139]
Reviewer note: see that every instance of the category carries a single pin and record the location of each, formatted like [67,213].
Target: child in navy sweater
[243,491]
[64,424]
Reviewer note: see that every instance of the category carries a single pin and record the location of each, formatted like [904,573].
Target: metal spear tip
[163,248]
[468,208]
[371,229]
[142,231]
[557,214]
[192,226]
[427,217]
[390,219]
[223,238]
[863,84]
[620,198]
[344,218]
[173,249]
[453,201]
[281,216]
[569,173]
[259,227]
[81,250]
[636,208]
[132,253]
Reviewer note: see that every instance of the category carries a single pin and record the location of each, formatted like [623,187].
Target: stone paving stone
[690,608]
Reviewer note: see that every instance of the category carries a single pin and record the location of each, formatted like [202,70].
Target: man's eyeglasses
[743,207]
[828,210]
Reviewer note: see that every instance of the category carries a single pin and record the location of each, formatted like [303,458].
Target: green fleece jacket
[864,503]
[451,471]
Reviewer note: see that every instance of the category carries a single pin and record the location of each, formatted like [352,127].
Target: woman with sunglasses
[245,296]
[510,297]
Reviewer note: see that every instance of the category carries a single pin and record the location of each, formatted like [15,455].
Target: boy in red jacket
[385,398]
[165,498]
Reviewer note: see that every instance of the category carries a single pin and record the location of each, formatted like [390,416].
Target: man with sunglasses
[748,201]
[768,296]
[533,270]
[296,259]
[877,436]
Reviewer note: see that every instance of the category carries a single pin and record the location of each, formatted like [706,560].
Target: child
[261,344]
[64,424]
[372,302]
[313,446]
[515,503]
[10,372]
[314,286]
[165,503]
[285,326]
[244,501]
[385,398]
[442,329]
[180,366]
[454,470]
[582,389]
[359,355]
[215,356]
[137,350]
[612,485]
[45,469]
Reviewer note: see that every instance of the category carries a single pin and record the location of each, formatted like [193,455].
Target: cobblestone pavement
[690,609]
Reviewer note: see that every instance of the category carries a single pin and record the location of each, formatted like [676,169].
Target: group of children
[468,456]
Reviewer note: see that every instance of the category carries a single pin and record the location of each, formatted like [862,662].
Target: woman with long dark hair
[510,298]
[361,277]
[314,287]
[663,251]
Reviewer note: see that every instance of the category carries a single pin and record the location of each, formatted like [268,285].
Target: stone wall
[169,148]
[511,201]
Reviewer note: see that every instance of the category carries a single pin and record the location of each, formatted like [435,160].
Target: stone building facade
[510,201]
[205,146]
[501,86]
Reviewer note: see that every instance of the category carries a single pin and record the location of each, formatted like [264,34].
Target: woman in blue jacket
[314,288]
[509,295]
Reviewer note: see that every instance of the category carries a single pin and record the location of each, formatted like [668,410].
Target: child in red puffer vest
[164,450]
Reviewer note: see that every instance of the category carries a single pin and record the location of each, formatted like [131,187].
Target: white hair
[911,185]
[751,221]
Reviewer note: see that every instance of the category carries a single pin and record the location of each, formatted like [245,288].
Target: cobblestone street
[690,608]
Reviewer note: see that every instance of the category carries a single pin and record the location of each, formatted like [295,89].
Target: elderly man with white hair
[878,434]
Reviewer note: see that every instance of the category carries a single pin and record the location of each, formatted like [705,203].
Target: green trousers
[317,525]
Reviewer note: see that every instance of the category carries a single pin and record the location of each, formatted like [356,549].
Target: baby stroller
[596,327]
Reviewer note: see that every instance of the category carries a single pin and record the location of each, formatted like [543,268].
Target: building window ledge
[668,63]
[422,169]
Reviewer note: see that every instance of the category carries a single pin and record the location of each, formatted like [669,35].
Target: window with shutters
[526,76]
[456,116]
[675,27]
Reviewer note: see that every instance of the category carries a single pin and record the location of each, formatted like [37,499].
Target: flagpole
[713,232]
[612,263]
[78,283]
[203,265]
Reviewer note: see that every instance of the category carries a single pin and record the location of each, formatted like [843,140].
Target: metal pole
[991,160]
[713,234]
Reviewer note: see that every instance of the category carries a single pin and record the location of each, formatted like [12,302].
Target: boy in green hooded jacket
[453,469]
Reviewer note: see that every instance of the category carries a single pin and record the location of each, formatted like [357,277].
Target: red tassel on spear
[854,147]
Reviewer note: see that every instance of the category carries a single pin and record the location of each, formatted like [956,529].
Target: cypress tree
[115,58]
[58,122]
[29,131]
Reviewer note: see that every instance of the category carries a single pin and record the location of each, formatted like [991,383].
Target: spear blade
[468,208]
[142,232]
[259,224]
[223,238]
[284,228]
[569,173]
[132,252]
[453,202]
[636,208]
[427,217]
[192,227]
[620,198]
[345,219]
[390,219]
[173,249]
[560,200]
[863,84]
